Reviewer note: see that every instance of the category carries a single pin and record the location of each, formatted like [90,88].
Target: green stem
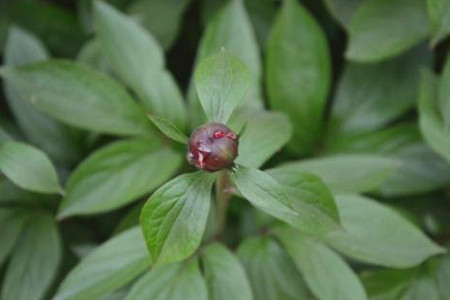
[223,199]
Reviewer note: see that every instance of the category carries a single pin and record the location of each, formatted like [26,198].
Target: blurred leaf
[343,10]
[230,28]
[4,136]
[23,48]
[129,219]
[116,175]
[35,260]
[169,129]
[161,17]
[107,268]
[325,272]
[368,225]
[225,277]
[298,73]
[439,16]
[79,96]
[442,274]
[350,173]
[302,201]
[261,14]
[29,168]
[11,221]
[91,54]
[431,124]
[371,95]
[385,28]
[387,284]
[444,95]
[265,134]
[180,281]
[271,271]
[139,61]
[174,217]
[222,82]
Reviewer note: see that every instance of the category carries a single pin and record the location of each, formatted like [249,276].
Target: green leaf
[431,124]
[385,28]
[265,134]
[343,10]
[23,48]
[225,277]
[222,82]
[160,17]
[11,221]
[351,173]
[4,136]
[29,168]
[303,201]
[35,260]
[107,268]
[91,54]
[169,129]
[180,281]
[78,96]
[130,168]
[271,271]
[368,225]
[444,94]
[298,60]
[439,15]
[139,61]
[371,95]
[442,274]
[231,29]
[325,272]
[174,217]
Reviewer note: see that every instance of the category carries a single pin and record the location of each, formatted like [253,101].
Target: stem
[223,199]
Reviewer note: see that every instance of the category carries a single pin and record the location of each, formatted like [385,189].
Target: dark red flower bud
[213,147]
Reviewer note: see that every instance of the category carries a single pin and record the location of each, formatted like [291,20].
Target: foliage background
[350,111]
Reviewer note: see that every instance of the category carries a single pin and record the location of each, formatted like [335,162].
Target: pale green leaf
[118,174]
[298,73]
[179,281]
[35,260]
[11,222]
[169,129]
[368,225]
[326,273]
[78,96]
[225,277]
[139,61]
[385,28]
[222,82]
[107,268]
[174,217]
[439,15]
[29,168]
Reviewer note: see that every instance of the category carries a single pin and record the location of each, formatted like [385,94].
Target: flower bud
[213,147]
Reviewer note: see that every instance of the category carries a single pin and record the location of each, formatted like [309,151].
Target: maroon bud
[213,147]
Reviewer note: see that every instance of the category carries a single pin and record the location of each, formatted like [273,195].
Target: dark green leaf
[35,260]
[265,134]
[230,29]
[368,225]
[23,48]
[430,122]
[174,217]
[384,28]
[11,222]
[371,95]
[161,17]
[302,201]
[444,95]
[271,271]
[298,73]
[387,284]
[439,14]
[118,174]
[107,268]
[180,281]
[224,275]
[222,82]
[169,129]
[4,136]
[343,10]
[29,168]
[78,96]
[325,272]
[139,61]
[346,173]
